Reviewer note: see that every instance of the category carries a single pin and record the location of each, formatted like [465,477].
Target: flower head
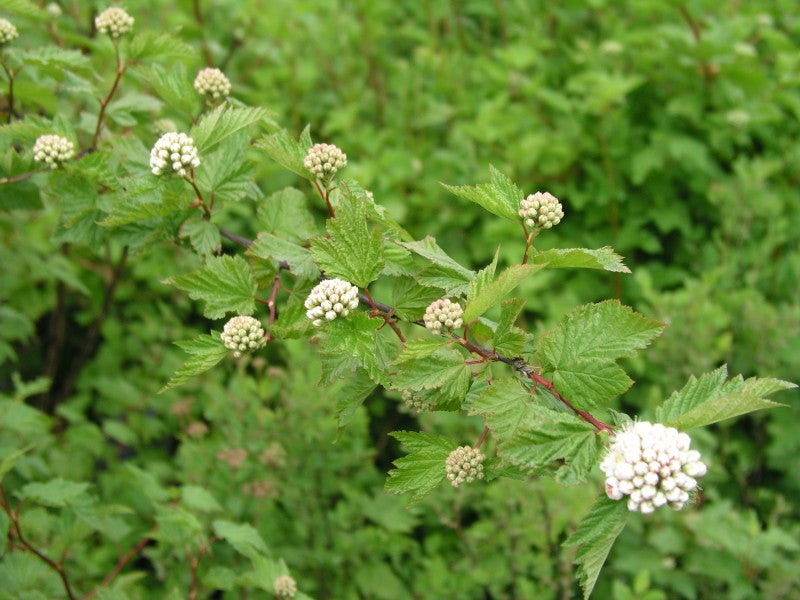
[324,160]
[541,210]
[464,465]
[330,299]
[414,403]
[243,334]
[175,151]
[114,22]
[212,83]
[443,316]
[53,150]
[652,465]
[7,32]
[285,587]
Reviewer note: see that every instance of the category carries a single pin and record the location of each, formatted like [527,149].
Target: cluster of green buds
[414,403]
[114,22]
[213,83]
[464,465]
[324,160]
[541,210]
[243,334]
[7,32]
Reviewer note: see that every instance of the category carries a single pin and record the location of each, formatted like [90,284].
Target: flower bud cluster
[7,32]
[414,403]
[243,334]
[541,210]
[174,151]
[465,464]
[324,160]
[443,315]
[331,298]
[53,150]
[285,587]
[114,22]
[212,82]
[653,466]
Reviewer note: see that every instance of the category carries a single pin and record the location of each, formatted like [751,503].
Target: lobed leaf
[420,471]
[206,351]
[581,258]
[498,289]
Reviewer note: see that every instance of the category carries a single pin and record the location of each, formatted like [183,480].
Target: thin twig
[10,74]
[195,562]
[20,177]
[123,560]
[105,101]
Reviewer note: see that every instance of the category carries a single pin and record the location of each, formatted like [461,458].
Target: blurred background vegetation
[669,130]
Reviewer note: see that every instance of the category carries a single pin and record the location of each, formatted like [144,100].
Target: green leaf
[158,45]
[227,173]
[206,351]
[410,299]
[420,471]
[57,60]
[351,251]
[421,348]
[508,339]
[20,195]
[505,404]
[173,86]
[285,213]
[200,499]
[288,152]
[224,122]
[595,536]
[269,247]
[352,395]
[484,277]
[57,493]
[607,330]
[226,285]
[590,383]
[494,292]
[428,248]
[710,399]
[358,336]
[500,197]
[547,435]
[203,235]
[581,258]
[445,370]
[242,536]
[9,460]
[24,8]
[144,198]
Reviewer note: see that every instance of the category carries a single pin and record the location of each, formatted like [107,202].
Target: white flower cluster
[176,151]
[443,315]
[53,150]
[53,9]
[285,587]
[415,404]
[7,32]
[331,298]
[541,210]
[653,466]
[212,82]
[464,465]
[324,160]
[243,334]
[114,22]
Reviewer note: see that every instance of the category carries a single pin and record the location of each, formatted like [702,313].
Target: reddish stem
[105,102]
[124,560]
[324,195]
[581,413]
[483,436]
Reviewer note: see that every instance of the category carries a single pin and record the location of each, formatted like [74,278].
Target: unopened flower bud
[212,83]
[541,210]
[464,465]
[7,32]
[174,152]
[285,587]
[331,298]
[324,160]
[114,22]
[243,334]
[443,315]
[53,150]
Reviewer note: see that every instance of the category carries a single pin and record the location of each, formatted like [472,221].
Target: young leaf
[358,336]
[57,492]
[226,285]
[508,339]
[420,471]
[484,277]
[288,152]
[269,247]
[500,197]
[710,399]
[595,536]
[351,251]
[494,292]
[421,348]
[199,499]
[224,122]
[410,299]
[242,536]
[206,351]
[352,395]
[607,330]
[285,213]
[444,370]
[505,404]
[581,258]
[203,235]
[430,250]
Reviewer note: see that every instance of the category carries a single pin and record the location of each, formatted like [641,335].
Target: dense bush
[667,130]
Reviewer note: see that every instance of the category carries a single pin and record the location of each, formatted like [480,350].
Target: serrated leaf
[9,460]
[508,339]
[445,370]
[203,236]
[288,152]
[430,250]
[352,395]
[589,383]
[206,351]
[225,284]
[421,348]
[498,289]
[350,251]
[595,536]
[358,336]
[505,404]
[146,198]
[57,493]
[269,247]
[607,330]
[200,499]
[223,122]
[242,536]
[420,471]
[57,60]
[285,213]
[173,86]
[710,399]
[410,299]
[150,44]
[581,258]
[484,277]
[501,197]
[547,435]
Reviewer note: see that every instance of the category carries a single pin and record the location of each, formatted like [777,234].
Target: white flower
[212,82]
[53,150]
[285,587]
[114,22]
[7,32]
[324,160]
[541,210]
[464,465]
[175,152]
[331,298]
[443,315]
[243,334]
[53,9]
[665,475]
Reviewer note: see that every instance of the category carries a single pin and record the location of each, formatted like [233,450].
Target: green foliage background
[668,130]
